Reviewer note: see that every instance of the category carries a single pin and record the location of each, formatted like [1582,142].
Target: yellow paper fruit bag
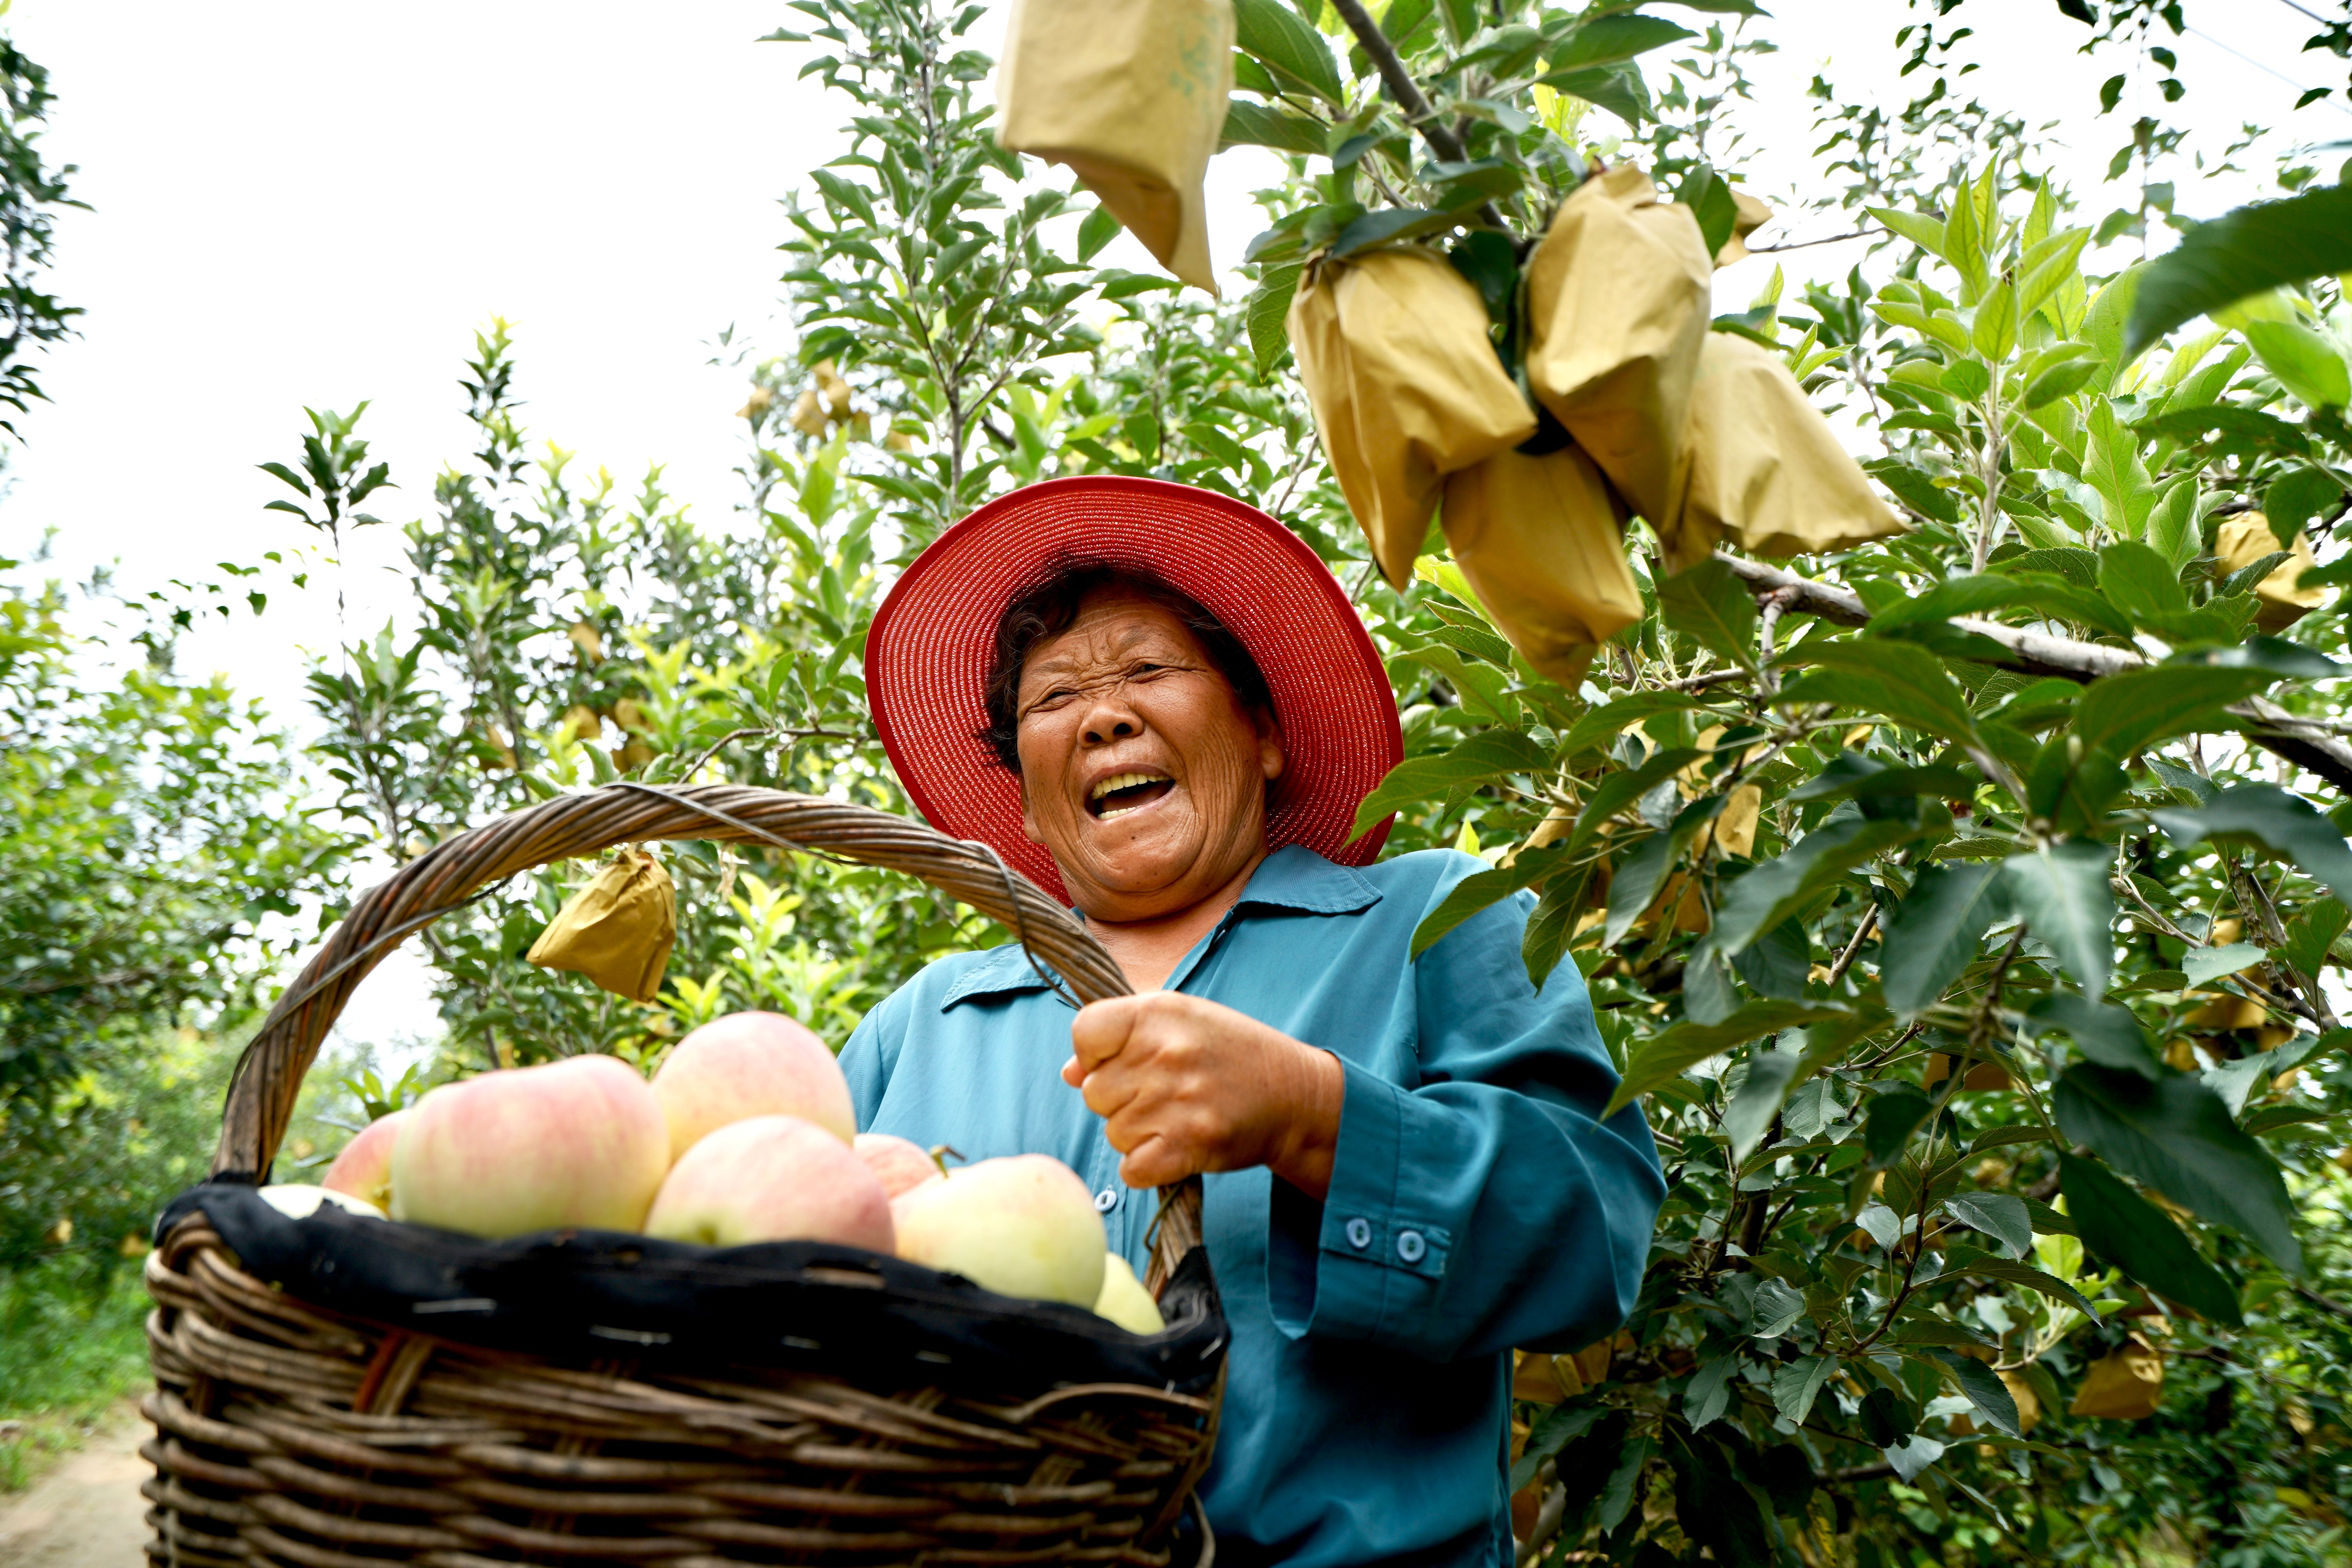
[1406,388]
[1539,539]
[618,931]
[2124,1386]
[1618,297]
[2278,602]
[1753,215]
[1765,470]
[1131,94]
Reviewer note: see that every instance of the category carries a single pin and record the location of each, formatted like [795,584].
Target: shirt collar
[1293,878]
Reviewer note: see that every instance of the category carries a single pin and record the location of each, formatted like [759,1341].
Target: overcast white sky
[299,203]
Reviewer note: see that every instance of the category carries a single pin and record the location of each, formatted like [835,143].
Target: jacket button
[1410,1246]
[1360,1232]
[1107,1200]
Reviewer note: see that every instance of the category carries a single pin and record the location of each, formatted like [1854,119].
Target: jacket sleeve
[1486,1206]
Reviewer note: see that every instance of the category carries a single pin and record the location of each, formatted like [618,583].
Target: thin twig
[1418,110]
[1860,934]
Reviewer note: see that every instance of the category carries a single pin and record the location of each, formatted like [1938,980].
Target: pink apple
[750,1064]
[772,1178]
[902,1166]
[576,1143]
[1022,1225]
[364,1167]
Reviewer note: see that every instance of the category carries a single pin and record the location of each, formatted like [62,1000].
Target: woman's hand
[1185,1085]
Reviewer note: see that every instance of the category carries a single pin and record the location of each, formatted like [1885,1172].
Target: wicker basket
[287,1434]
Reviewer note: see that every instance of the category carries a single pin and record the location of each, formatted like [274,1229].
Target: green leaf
[2106,1032]
[1620,789]
[1255,124]
[2305,363]
[2283,823]
[2176,1135]
[1481,889]
[1561,1425]
[1099,228]
[2062,893]
[1710,200]
[2126,713]
[1923,230]
[1797,1384]
[2064,379]
[2171,529]
[1985,1391]
[1999,1215]
[1952,597]
[1708,1392]
[1895,1113]
[2131,1233]
[1907,684]
[1932,935]
[1770,1074]
[2139,581]
[2113,466]
[1554,923]
[2204,964]
[2311,934]
[2295,498]
[1995,331]
[1605,40]
[2239,253]
[1490,755]
[1284,42]
[1388,226]
[1851,775]
[1603,724]
[1771,892]
[1266,312]
[1676,1049]
[1966,1261]
[1711,605]
[1635,883]
[1618,89]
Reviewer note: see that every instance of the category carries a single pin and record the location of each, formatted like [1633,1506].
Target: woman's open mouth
[1122,792]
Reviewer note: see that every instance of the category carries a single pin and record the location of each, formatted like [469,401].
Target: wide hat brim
[927,654]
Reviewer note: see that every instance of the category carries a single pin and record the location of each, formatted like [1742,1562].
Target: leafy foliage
[1958,916]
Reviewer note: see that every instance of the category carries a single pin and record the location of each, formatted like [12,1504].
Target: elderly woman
[1158,700]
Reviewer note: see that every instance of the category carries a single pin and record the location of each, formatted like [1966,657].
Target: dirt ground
[86,1512]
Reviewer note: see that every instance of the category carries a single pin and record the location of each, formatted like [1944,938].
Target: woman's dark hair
[1048,610]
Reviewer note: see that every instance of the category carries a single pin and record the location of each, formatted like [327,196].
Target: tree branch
[2271,726]
[1419,112]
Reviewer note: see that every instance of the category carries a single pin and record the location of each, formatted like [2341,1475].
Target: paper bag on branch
[1406,388]
[1618,299]
[1764,469]
[1540,540]
[1131,95]
[1753,215]
[2278,602]
[618,931]
[2125,1385]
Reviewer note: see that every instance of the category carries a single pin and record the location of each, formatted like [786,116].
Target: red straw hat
[928,654]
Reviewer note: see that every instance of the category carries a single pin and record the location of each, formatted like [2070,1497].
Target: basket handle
[269,1074]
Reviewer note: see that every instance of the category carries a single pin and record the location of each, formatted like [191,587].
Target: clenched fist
[1185,1085]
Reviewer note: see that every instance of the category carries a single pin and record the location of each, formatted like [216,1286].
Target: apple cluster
[745,1134]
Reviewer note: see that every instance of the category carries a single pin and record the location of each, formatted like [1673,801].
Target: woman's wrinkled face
[1140,772]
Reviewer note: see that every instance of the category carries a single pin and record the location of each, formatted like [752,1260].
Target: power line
[2290,4]
[2270,70]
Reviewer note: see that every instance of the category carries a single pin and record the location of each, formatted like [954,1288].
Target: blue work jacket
[1476,1203]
